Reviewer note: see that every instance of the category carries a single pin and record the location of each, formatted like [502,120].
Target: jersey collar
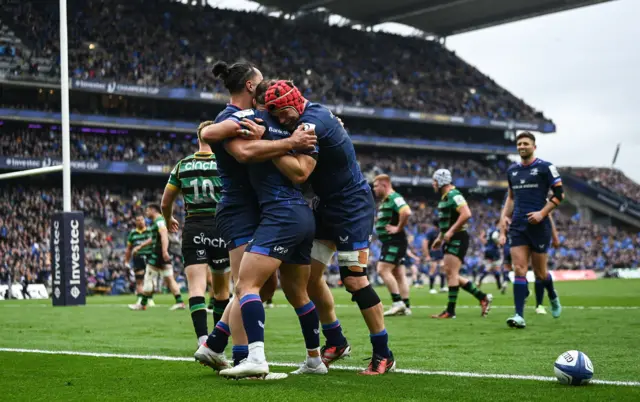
[141,231]
[203,153]
[448,191]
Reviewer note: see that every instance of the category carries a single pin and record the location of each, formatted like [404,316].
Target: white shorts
[152,274]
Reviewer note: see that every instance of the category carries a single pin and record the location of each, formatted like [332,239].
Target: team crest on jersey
[534,172]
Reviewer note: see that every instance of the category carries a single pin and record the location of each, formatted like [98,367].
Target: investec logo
[75,258]
[200,165]
[57,273]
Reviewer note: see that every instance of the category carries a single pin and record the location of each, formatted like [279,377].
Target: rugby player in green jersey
[453,215]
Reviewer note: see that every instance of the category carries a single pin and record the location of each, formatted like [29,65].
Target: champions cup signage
[67,259]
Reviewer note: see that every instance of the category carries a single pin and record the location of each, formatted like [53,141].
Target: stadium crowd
[611,179]
[145,43]
[169,148]
[24,234]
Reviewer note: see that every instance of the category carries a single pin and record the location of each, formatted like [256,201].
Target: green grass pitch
[459,360]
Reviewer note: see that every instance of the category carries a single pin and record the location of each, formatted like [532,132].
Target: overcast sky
[580,67]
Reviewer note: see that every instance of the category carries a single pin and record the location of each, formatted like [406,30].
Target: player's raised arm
[263,150]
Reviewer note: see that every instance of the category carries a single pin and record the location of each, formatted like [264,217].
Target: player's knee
[540,273]
[365,297]
[353,278]
[268,289]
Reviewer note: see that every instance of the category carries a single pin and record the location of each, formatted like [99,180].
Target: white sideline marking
[335,367]
[348,306]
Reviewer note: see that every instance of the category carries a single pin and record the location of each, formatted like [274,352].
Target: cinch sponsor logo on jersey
[199,165]
[216,242]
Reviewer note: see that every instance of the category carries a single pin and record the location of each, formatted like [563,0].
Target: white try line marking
[13,305]
[334,367]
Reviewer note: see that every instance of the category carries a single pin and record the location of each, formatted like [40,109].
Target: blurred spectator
[611,179]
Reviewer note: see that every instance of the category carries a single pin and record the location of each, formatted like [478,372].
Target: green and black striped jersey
[389,214]
[449,210]
[197,178]
[158,223]
[137,237]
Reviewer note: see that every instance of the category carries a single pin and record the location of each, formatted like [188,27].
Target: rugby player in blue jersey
[282,240]
[490,239]
[238,212]
[530,231]
[434,259]
[344,214]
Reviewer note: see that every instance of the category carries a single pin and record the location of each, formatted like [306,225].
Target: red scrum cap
[284,94]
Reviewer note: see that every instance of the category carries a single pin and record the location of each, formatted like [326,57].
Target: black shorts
[140,263]
[458,245]
[393,252]
[201,244]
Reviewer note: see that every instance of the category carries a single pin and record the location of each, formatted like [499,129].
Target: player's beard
[526,155]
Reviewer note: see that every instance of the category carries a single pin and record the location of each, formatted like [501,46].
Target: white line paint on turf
[335,367]
[160,305]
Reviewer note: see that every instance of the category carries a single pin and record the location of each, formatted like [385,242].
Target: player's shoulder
[454,192]
[315,113]
[513,166]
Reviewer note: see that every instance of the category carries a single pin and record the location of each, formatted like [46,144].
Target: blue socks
[333,333]
[548,284]
[219,338]
[253,317]
[520,293]
[380,343]
[239,353]
[310,325]
[539,287]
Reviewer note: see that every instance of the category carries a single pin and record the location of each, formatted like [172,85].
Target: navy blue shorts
[348,222]
[492,255]
[236,223]
[436,255]
[536,237]
[286,233]
[506,254]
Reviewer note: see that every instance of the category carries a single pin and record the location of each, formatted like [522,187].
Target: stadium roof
[438,17]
